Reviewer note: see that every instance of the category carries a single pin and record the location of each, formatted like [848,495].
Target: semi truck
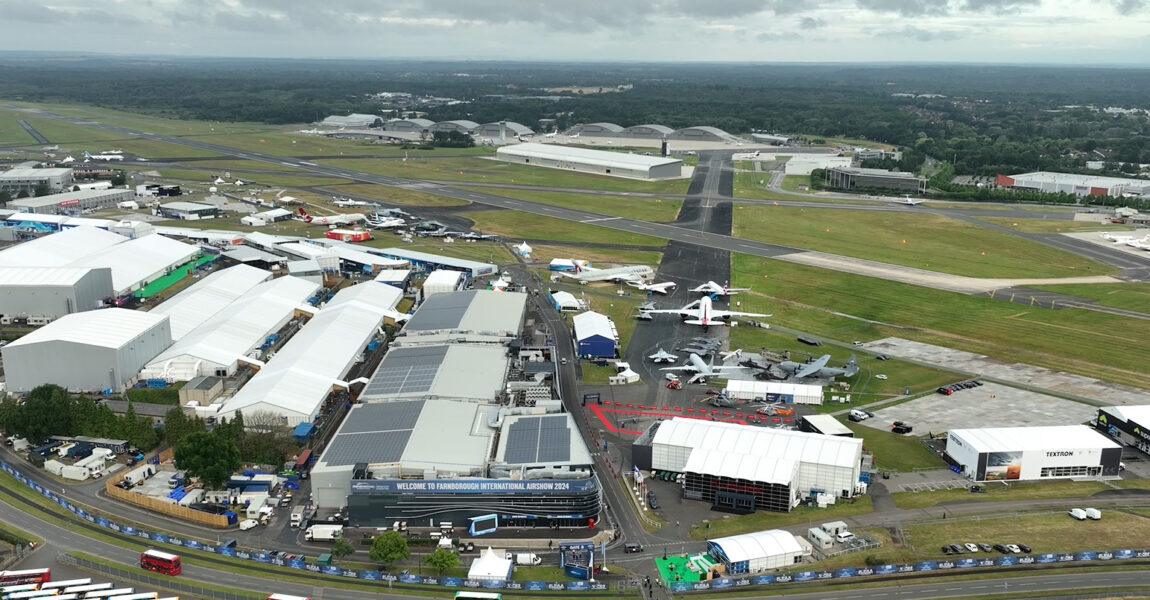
[297,516]
[323,533]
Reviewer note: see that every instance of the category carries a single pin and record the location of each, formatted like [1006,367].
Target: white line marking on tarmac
[603,219]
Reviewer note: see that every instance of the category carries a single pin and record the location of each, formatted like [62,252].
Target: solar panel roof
[441,311]
[378,433]
[406,370]
[538,440]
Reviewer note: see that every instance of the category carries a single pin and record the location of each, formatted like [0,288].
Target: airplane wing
[812,368]
[662,288]
[681,368]
[671,311]
[722,314]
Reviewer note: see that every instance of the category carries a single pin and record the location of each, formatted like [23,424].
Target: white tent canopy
[490,567]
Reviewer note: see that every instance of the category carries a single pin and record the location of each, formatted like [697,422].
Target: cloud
[907,8]
[1127,7]
[811,23]
[921,35]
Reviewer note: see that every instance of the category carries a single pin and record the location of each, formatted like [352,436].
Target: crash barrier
[721,583]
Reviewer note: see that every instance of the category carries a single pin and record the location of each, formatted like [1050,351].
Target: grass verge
[770,520]
[920,240]
[894,452]
[1001,493]
[1131,296]
[1046,532]
[657,210]
[516,224]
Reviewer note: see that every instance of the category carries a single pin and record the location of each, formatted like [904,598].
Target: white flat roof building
[477,316]
[231,334]
[60,249]
[297,381]
[756,552]
[190,308]
[1033,453]
[52,291]
[599,162]
[73,201]
[454,371]
[88,351]
[138,262]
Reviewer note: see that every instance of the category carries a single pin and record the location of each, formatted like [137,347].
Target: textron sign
[470,486]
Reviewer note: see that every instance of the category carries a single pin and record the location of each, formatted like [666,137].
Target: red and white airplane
[713,289]
[340,219]
[702,312]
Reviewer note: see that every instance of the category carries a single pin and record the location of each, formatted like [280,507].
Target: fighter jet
[702,312]
[662,356]
[701,370]
[819,368]
[713,289]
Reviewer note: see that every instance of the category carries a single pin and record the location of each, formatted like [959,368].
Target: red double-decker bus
[160,562]
[26,576]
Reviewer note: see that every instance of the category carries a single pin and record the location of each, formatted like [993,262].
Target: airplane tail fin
[852,366]
[303,214]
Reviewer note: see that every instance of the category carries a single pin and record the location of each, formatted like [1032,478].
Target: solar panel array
[538,440]
[374,433]
[406,371]
[441,311]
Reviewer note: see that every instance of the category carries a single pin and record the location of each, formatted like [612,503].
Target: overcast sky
[1011,31]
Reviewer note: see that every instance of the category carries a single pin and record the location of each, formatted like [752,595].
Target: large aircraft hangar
[599,162]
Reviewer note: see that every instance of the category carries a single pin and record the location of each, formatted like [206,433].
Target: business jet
[631,275]
[662,288]
[349,202]
[907,200]
[713,289]
[385,222]
[341,219]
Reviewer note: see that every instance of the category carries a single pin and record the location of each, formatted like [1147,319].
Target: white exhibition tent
[490,567]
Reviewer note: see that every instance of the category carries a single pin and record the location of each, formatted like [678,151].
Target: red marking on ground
[601,413]
[679,408]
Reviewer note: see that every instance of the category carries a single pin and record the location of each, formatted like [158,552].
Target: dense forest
[982,119]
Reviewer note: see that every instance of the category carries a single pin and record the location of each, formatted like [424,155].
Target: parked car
[971,547]
[946,391]
[880,376]
[946,550]
[882,357]
[1025,549]
[900,427]
[1093,514]
[1014,549]
[956,549]
[1077,513]
[1002,548]
[247,524]
[985,546]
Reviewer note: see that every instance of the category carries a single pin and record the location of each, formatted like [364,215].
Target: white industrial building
[460,125]
[59,249]
[25,180]
[472,316]
[705,133]
[774,391]
[824,465]
[803,164]
[190,308]
[502,130]
[1129,424]
[448,371]
[1033,453]
[599,162]
[51,292]
[354,120]
[1079,185]
[296,383]
[412,125]
[73,202]
[231,334]
[443,281]
[824,424]
[756,552]
[88,351]
[424,261]
[134,262]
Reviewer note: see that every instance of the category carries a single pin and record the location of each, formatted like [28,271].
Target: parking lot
[990,405]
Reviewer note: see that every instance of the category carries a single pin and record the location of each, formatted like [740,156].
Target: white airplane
[385,222]
[713,289]
[1142,243]
[702,312]
[662,288]
[67,160]
[907,200]
[1118,239]
[349,202]
[701,369]
[552,134]
[662,356]
[633,273]
[573,135]
[341,219]
[105,156]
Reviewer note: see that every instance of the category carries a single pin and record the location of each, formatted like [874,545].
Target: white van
[1077,513]
[858,415]
[1093,514]
[844,536]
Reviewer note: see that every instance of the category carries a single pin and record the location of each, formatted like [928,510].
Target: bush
[169,395]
